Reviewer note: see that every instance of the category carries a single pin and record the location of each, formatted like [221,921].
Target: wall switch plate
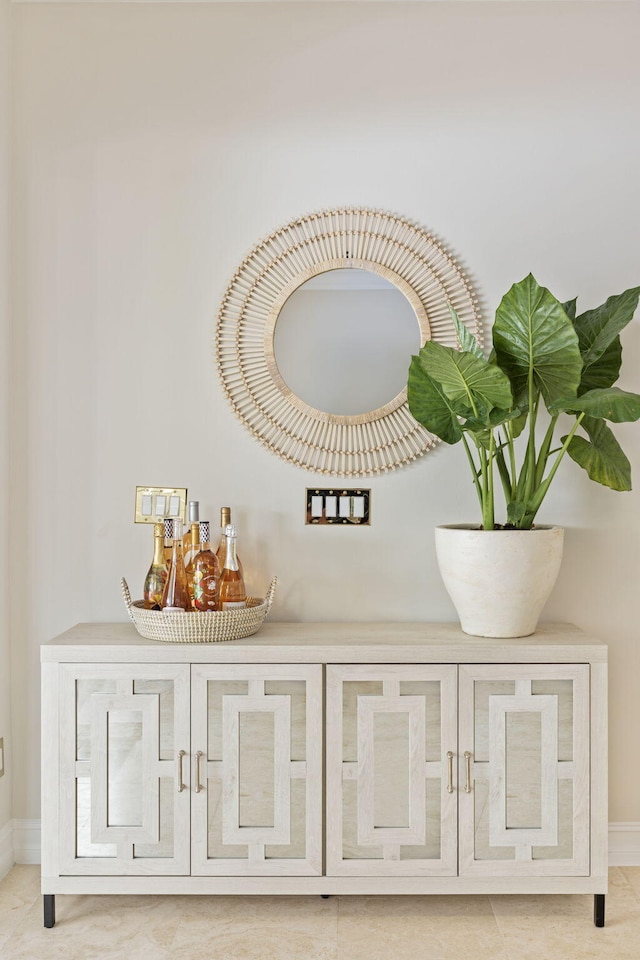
[339,506]
[154,504]
[1,756]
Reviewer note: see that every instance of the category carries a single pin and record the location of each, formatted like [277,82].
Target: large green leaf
[597,328]
[516,511]
[613,404]
[601,456]
[604,371]
[468,381]
[429,405]
[599,342]
[466,339]
[518,424]
[533,335]
[482,426]
[493,419]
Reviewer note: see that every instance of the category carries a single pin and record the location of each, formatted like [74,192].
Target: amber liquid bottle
[232,590]
[203,574]
[176,595]
[221,552]
[157,573]
[191,539]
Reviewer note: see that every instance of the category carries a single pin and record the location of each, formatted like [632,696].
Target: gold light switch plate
[154,504]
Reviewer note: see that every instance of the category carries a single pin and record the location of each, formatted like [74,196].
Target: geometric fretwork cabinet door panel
[122,808]
[524,770]
[391,770]
[256,739]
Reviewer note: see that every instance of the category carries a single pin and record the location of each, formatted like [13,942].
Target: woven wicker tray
[199,627]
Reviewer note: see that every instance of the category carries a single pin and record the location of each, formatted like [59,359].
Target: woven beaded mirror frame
[412,260]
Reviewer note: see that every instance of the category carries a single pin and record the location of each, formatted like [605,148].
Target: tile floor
[309,928]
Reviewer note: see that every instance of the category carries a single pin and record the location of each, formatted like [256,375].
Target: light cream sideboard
[324,758]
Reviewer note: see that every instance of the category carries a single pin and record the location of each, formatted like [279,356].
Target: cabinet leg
[598,909]
[49,901]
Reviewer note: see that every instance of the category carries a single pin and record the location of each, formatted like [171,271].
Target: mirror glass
[343,341]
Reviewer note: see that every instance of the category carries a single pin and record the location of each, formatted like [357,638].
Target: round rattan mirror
[340,342]
[410,261]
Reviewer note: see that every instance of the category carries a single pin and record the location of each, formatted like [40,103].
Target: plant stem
[530,461]
[536,500]
[543,456]
[503,470]
[486,473]
[483,474]
[512,460]
[524,488]
[488,519]
[474,469]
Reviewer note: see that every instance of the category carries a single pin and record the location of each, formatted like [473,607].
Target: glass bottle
[225,520]
[157,573]
[232,589]
[168,541]
[176,594]
[191,539]
[203,574]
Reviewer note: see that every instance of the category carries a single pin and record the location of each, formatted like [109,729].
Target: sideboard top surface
[326,642]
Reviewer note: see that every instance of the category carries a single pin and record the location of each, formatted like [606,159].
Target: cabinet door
[257,743]
[391,745]
[524,770]
[122,807]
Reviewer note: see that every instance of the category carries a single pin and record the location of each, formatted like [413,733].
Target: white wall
[5,367]
[155,144]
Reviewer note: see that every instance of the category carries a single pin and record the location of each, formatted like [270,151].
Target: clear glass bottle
[157,573]
[221,552]
[232,590]
[176,594]
[191,539]
[203,574]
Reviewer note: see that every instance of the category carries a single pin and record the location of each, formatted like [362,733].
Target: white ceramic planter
[499,580]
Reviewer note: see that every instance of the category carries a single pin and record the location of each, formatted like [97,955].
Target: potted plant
[546,390]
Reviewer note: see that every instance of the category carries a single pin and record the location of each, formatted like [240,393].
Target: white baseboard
[26,841]
[6,849]
[20,843]
[624,844]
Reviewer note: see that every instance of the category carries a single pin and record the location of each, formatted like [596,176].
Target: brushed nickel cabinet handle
[181,785]
[450,765]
